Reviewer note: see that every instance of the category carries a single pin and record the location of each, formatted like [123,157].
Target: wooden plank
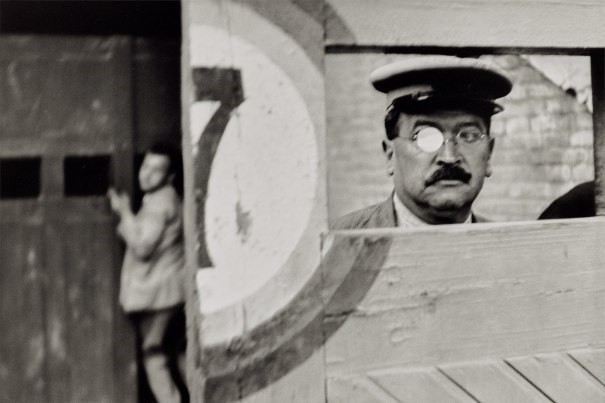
[51,177]
[124,350]
[89,309]
[560,378]
[59,371]
[460,293]
[467,23]
[593,361]
[38,100]
[24,146]
[256,344]
[156,74]
[356,389]
[23,341]
[420,385]
[297,386]
[493,381]
[597,68]
[21,211]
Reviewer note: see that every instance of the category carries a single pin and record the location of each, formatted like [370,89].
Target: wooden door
[66,117]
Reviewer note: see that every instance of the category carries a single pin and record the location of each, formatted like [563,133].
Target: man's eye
[429,139]
[470,135]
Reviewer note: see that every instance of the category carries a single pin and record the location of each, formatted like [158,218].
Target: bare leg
[160,380]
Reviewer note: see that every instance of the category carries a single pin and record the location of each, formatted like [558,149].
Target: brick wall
[543,140]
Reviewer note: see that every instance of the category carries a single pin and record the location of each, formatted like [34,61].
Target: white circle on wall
[263,179]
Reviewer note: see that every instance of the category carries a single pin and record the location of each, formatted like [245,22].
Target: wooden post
[254,118]
[597,64]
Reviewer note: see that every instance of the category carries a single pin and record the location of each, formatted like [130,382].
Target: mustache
[449,172]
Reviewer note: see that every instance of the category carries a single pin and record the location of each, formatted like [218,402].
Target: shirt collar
[406,219]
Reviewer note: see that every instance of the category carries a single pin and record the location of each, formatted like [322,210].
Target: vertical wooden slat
[597,65]
[422,385]
[89,307]
[560,378]
[494,381]
[22,350]
[59,371]
[123,160]
[592,360]
[195,375]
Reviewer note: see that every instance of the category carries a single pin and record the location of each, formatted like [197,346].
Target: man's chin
[450,201]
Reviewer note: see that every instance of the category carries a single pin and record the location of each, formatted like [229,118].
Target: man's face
[154,172]
[439,186]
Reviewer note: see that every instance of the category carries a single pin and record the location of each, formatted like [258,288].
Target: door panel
[22,336]
[64,338]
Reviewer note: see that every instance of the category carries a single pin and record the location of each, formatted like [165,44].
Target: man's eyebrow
[472,123]
[424,122]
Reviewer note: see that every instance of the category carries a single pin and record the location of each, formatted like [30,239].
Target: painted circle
[263,181]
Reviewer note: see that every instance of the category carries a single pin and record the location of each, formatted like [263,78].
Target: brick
[555,139]
[507,62]
[582,106]
[511,173]
[497,126]
[527,76]
[525,140]
[518,93]
[542,90]
[582,173]
[516,125]
[558,105]
[558,173]
[552,155]
[526,107]
[552,123]
[511,156]
[494,189]
[581,138]
[584,121]
[573,156]
[508,210]
[533,191]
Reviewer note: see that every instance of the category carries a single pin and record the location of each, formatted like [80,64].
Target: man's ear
[488,170]
[387,148]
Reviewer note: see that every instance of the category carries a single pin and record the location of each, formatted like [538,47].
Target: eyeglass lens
[430,139]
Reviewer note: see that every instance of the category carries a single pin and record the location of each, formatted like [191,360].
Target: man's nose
[448,153]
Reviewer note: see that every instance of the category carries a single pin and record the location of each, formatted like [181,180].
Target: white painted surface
[263,178]
[269,166]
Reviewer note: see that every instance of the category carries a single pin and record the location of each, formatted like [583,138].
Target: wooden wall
[278,312]
[64,337]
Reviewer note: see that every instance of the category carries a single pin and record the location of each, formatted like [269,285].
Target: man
[438,145]
[151,289]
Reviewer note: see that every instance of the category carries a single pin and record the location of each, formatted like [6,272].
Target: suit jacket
[381,215]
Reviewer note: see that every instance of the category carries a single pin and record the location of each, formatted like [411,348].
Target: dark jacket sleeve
[578,202]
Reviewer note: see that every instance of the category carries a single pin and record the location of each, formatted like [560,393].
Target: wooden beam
[454,294]
[597,66]
[463,23]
